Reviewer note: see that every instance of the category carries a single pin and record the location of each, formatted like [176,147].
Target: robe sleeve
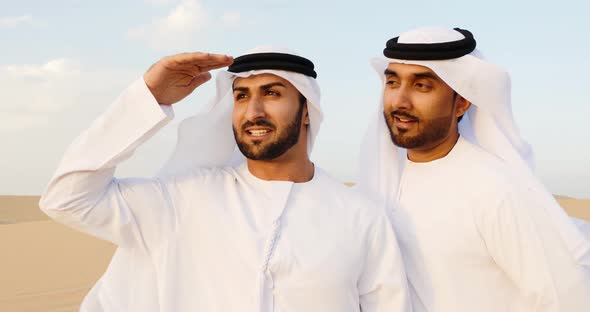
[524,244]
[83,193]
[383,284]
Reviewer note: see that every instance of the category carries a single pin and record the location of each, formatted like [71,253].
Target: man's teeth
[258,132]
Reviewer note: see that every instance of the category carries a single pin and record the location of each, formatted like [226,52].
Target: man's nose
[255,109]
[399,98]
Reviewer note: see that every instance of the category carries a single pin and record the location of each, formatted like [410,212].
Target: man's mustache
[400,113]
[259,123]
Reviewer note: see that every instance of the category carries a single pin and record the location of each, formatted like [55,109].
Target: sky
[63,62]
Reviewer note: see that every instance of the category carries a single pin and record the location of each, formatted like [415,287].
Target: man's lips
[404,122]
[258,132]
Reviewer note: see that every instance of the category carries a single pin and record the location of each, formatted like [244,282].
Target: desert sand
[44,266]
[47,267]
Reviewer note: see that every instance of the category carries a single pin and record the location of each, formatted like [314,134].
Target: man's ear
[305,116]
[462,105]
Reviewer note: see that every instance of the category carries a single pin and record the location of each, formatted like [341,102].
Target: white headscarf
[206,139]
[488,123]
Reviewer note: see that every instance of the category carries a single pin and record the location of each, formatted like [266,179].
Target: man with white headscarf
[224,233]
[478,232]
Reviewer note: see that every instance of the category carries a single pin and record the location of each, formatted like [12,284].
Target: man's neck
[296,170]
[434,152]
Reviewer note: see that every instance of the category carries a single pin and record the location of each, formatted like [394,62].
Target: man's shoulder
[490,181]
[482,168]
[198,174]
[334,185]
[350,197]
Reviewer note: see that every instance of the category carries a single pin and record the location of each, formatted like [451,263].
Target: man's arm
[83,192]
[523,242]
[383,283]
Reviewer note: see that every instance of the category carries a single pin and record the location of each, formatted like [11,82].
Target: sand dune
[16,209]
[579,208]
[47,267]
[44,266]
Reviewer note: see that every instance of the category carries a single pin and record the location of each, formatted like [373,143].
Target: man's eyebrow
[426,75]
[389,72]
[241,89]
[272,84]
[263,87]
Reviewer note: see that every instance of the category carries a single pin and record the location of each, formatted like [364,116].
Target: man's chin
[255,146]
[257,156]
[252,150]
[404,141]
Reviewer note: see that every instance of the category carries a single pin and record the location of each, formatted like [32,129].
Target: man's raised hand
[174,77]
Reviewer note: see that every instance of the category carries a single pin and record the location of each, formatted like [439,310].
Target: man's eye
[240,96]
[423,86]
[391,82]
[271,92]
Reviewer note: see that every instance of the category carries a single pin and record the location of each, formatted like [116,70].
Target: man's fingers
[209,67]
[200,58]
[200,79]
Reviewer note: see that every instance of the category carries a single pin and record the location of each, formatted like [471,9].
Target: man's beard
[287,139]
[433,130]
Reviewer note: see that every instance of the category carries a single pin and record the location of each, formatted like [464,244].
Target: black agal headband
[280,61]
[431,51]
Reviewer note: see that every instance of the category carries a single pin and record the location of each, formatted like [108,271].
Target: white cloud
[50,70]
[179,28]
[38,88]
[33,93]
[184,27]
[13,21]
[231,18]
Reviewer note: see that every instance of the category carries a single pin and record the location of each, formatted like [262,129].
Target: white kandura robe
[470,243]
[220,239]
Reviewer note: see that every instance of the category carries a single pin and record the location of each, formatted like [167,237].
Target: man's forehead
[254,81]
[400,68]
